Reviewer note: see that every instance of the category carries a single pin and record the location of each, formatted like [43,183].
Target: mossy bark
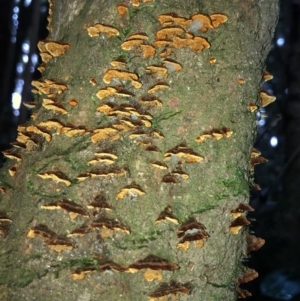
[202,97]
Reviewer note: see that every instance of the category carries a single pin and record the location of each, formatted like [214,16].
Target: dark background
[277,209]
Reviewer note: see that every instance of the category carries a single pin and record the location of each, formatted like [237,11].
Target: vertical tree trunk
[205,96]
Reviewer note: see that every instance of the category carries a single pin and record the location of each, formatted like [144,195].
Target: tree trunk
[205,96]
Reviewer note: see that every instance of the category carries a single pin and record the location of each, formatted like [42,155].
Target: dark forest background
[277,210]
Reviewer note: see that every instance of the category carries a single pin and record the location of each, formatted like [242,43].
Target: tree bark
[201,97]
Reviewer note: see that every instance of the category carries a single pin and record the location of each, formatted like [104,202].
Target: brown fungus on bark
[242,294]
[56,49]
[122,75]
[266,76]
[12,155]
[105,133]
[254,153]
[170,179]
[249,275]
[56,176]
[5,224]
[60,244]
[51,124]
[241,209]
[158,72]
[172,65]
[122,9]
[154,266]
[108,226]
[40,230]
[158,86]
[218,19]
[253,243]
[256,160]
[100,203]
[266,98]
[183,153]
[151,101]
[201,22]
[252,107]
[132,190]
[172,289]
[55,108]
[167,216]
[237,224]
[70,207]
[97,29]
[39,131]
[13,170]
[159,165]
[80,231]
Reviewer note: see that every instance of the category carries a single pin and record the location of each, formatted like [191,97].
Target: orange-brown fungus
[201,22]
[248,276]
[132,190]
[242,294]
[218,19]
[98,29]
[241,209]
[122,9]
[266,75]
[252,107]
[266,98]
[56,176]
[237,224]
[56,49]
[167,215]
[253,243]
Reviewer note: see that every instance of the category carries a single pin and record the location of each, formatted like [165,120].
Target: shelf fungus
[113,91]
[249,275]
[40,230]
[256,160]
[172,289]
[50,49]
[83,176]
[39,131]
[51,124]
[266,98]
[159,165]
[154,266]
[79,273]
[107,172]
[100,203]
[158,72]
[122,75]
[172,65]
[122,9]
[253,243]
[266,76]
[55,108]
[109,226]
[70,207]
[56,176]
[242,294]
[190,231]
[252,107]
[218,19]
[170,179]
[218,134]
[59,244]
[238,224]
[48,86]
[167,216]
[158,86]
[5,223]
[97,29]
[13,170]
[183,153]
[104,133]
[12,155]
[180,173]
[71,130]
[80,231]
[151,101]
[132,190]
[241,208]
[201,22]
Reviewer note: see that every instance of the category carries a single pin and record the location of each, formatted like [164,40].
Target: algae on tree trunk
[107,150]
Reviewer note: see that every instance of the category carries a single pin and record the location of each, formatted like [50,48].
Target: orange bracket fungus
[122,9]
[154,266]
[100,203]
[98,29]
[183,153]
[240,209]
[159,165]
[132,190]
[201,22]
[70,207]
[121,75]
[242,294]
[169,178]
[80,231]
[248,276]
[105,133]
[54,242]
[266,98]
[39,131]
[5,223]
[56,176]
[167,215]
[172,289]
[266,76]
[218,19]
[253,243]
[252,107]
[12,155]
[189,231]
[237,224]
[50,49]
[108,226]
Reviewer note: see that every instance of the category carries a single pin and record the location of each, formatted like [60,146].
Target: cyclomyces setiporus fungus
[80,231]
[172,289]
[172,65]
[47,86]
[121,75]
[97,29]
[252,107]
[39,131]
[12,155]
[56,176]
[70,207]
[218,134]
[151,101]
[107,172]
[159,165]
[237,224]
[241,208]
[218,19]
[108,226]
[256,160]
[158,72]
[154,266]
[5,224]
[190,231]
[169,178]
[158,86]
[55,108]
[266,98]
[113,91]
[183,153]
[266,76]
[122,9]
[100,203]
[167,216]
[104,133]
[132,190]
[55,242]
[50,49]
[242,294]
[253,243]
[248,276]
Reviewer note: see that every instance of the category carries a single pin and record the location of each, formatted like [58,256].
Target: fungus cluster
[98,29]
[191,231]
[5,223]
[239,219]
[50,49]
[54,241]
[256,158]
[217,134]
